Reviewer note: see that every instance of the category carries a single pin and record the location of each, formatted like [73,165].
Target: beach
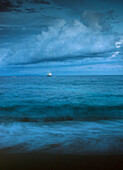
[35,161]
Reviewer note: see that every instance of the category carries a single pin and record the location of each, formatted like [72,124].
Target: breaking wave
[99,137]
[29,113]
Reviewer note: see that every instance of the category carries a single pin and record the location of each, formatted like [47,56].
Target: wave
[36,113]
[9,108]
[104,137]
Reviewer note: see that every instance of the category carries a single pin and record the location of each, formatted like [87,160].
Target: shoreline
[46,161]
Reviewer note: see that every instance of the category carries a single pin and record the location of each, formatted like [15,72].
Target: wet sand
[39,161]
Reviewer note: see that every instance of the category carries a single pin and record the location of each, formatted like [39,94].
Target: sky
[65,37]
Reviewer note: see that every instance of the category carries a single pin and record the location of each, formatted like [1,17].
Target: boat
[49,74]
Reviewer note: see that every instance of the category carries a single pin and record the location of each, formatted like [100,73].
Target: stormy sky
[65,37]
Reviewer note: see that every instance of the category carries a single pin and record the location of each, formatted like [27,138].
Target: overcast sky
[65,37]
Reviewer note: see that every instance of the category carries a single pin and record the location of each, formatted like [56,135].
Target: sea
[61,114]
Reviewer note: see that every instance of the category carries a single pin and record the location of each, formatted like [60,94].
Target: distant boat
[49,74]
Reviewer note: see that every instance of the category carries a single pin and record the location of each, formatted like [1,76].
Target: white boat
[49,74]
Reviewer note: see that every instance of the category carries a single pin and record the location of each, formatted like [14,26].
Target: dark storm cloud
[31,10]
[41,2]
[10,5]
[5,5]
[60,59]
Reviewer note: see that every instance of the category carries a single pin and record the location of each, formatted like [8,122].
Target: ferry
[49,74]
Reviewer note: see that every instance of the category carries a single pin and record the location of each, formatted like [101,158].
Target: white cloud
[119,43]
[115,54]
[60,41]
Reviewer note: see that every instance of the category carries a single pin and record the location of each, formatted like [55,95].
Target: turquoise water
[66,114]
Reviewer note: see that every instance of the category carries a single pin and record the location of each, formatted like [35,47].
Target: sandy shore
[35,161]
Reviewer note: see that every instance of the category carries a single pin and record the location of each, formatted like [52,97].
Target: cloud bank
[61,42]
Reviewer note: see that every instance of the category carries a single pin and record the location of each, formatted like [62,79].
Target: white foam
[64,137]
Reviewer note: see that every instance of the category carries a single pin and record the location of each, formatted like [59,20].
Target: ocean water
[64,114]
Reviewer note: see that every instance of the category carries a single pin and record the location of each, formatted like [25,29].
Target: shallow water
[74,114]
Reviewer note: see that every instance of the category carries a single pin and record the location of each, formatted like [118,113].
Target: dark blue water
[74,114]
